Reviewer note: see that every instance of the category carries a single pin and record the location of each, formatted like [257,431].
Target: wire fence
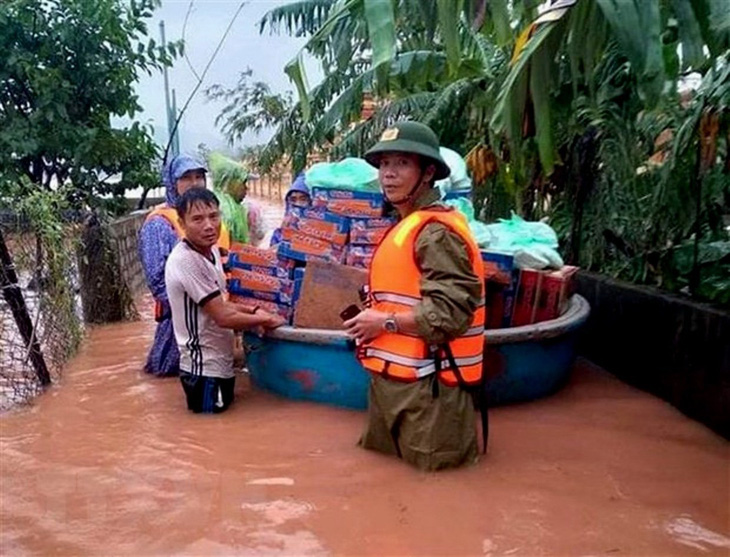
[57,274]
[40,317]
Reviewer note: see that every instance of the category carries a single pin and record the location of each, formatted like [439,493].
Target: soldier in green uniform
[431,426]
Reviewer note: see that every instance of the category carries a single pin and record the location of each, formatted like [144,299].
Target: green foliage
[569,102]
[251,107]
[49,256]
[67,68]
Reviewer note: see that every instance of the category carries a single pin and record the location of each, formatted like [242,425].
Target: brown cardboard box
[327,289]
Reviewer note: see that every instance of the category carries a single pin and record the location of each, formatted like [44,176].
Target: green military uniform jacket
[431,426]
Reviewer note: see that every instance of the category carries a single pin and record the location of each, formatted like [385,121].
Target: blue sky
[265,54]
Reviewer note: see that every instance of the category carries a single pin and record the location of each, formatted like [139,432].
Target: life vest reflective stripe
[394,287]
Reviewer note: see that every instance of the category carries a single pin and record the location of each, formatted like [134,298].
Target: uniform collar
[431,196]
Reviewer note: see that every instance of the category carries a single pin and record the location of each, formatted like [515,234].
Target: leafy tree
[67,68]
[251,106]
[565,106]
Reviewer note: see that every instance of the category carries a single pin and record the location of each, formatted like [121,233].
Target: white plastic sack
[459,177]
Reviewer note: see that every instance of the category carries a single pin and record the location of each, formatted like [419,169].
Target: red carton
[526,300]
[557,287]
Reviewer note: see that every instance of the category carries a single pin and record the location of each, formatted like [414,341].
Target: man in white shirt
[202,318]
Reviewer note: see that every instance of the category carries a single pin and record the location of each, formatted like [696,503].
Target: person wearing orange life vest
[157,237]
[422,336]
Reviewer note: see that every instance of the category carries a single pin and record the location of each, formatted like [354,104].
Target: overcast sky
[265,54]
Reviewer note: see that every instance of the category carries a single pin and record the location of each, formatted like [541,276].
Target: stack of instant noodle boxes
[344,227]
[341,227]
[516,297]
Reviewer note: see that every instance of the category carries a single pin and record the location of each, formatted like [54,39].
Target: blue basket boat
[521,363]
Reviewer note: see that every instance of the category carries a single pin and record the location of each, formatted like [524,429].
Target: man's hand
[272,320]
[366,325]
[269,321]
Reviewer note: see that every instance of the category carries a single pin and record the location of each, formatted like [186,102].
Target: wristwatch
[390,324]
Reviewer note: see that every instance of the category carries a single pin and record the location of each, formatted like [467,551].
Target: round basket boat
[520,363]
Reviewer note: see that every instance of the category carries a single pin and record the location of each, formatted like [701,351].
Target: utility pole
[176,137]
[170,110]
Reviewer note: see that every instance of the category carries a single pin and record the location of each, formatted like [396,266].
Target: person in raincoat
[422,334]
[229,185]
[157,237]
[297,196]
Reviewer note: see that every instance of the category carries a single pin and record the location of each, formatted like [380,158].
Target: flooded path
[110,462]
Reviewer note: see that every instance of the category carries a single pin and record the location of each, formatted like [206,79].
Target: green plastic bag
[348,174]
[534,244]
[478,228]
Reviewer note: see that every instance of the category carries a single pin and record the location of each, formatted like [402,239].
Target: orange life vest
[395,281]
[170,215]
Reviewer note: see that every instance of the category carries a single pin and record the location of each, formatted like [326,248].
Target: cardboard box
[501,280]
[318,224]
[353,208]
[327,289]
[258,281]
[294,235]
[332,194]
[369,231]
[359,256]
[236,289]
[253,256]
[495,308]
[557,287]
[306,248]
[282,270]
[271,307]
[348,203]
[298,280]
[528,293]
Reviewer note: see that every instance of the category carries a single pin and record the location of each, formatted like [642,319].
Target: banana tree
[578,33]
[419,59]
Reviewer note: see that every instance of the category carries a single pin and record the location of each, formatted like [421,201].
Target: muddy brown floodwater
[109,462]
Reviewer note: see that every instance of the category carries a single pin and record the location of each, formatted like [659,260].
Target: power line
[185,52]
[200,80]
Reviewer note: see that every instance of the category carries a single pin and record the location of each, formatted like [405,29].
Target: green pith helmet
[410,137]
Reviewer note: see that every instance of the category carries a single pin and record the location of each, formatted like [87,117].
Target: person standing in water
[422,336]
[203,319]
[157,238]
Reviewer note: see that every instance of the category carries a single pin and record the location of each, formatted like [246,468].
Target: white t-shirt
[192,280]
